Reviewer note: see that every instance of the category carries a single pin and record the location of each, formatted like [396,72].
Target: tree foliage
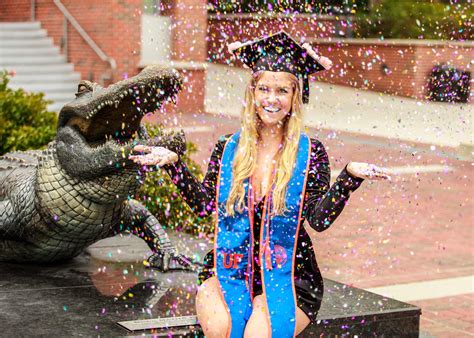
[286,6]
[416,20]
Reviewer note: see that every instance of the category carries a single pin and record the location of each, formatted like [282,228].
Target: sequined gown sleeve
[322,203]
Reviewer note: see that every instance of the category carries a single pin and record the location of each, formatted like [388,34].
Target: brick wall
[113,25]
[244,27]
[399,67]
[453,54]
[189,49]
[382,68]
[15,10]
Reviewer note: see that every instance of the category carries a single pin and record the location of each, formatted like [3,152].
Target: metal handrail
[84,35]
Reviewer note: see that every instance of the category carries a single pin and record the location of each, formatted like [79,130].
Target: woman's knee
[258,324]
[211,310]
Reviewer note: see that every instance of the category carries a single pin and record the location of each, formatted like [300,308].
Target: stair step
[57,105]
[8,26]
[22,34]
[45,78]
[36,62]
[6,61]
[25,43]
[23,51]
[60,97]
[70,87]
[59,68]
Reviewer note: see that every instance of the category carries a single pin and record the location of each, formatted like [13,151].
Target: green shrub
[25,120]
[163,200]
[416,20]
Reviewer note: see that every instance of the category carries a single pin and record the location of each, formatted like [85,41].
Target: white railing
[69,18]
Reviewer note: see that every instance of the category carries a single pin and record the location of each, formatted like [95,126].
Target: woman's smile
[273,97]
[272,109]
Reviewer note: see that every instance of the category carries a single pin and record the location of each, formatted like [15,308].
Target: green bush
[416,20]
[163,200]
[25,120]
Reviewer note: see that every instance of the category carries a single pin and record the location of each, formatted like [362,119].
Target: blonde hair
[245,161]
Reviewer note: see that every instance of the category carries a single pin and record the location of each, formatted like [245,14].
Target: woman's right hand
[149,156]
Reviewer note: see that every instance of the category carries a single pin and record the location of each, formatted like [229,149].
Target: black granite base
[88,297]
[349,311]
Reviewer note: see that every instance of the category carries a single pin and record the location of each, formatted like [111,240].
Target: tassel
[268,255]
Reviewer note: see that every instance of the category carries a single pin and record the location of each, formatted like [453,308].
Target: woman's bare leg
[302,320]
[258,326]
[211,309]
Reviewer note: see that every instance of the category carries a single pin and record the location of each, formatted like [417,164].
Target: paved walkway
[357,111]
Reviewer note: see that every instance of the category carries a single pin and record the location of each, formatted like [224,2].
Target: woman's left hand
[367,171]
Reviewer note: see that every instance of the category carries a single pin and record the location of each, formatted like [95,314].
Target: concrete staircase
[26,49]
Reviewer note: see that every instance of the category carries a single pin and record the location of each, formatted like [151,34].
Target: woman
[262,277]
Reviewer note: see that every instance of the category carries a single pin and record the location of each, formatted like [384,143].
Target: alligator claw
[165,261]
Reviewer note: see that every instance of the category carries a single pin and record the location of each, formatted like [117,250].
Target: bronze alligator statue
[54,203]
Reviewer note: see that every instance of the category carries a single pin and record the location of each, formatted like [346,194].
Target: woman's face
[273,97]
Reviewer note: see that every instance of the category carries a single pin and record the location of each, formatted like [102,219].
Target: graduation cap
[281,53]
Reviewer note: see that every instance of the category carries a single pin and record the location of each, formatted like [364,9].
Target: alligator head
[98,129]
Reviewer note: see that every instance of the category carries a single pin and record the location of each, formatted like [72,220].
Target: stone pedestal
[89,295]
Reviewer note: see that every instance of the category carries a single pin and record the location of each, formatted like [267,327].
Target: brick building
[109,40]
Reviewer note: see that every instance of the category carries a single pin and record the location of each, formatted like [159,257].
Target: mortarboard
[279,52]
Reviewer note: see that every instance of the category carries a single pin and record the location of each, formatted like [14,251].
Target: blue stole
[233,247]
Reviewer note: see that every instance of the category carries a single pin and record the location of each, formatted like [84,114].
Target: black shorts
[309,291]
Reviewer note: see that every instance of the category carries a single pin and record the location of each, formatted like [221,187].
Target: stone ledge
[88,297]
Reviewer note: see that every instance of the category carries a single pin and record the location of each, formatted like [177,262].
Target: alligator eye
[81,89]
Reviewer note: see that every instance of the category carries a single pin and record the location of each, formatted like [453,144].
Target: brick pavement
[417,227]
[449,316]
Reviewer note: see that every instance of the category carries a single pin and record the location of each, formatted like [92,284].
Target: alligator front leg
[140,222]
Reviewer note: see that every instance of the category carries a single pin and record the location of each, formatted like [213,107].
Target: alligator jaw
[115,113]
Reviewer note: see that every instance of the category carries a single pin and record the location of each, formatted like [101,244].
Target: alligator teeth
[121,96]
[145,100]
[130,91]
[95,111]
[117,104]
[125,92]
[142,87]
[153,86]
